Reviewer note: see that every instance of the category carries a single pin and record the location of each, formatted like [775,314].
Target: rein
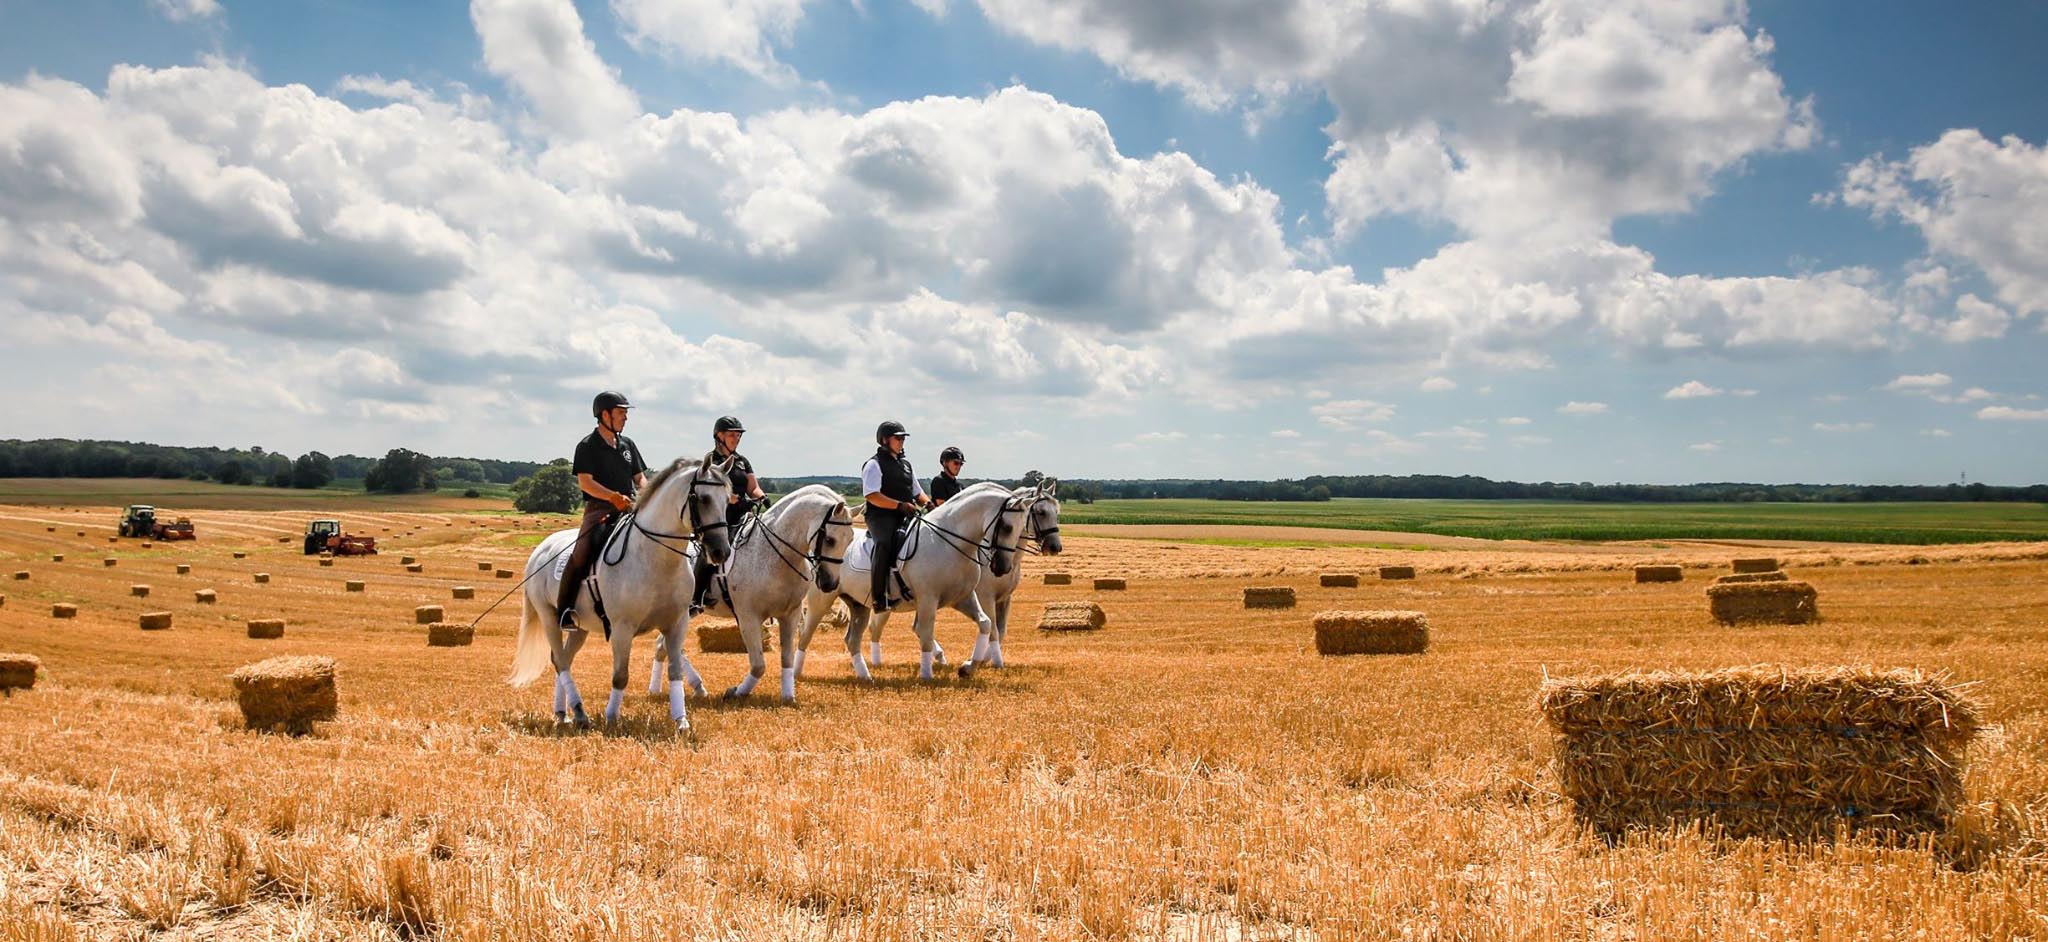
[955,541]
[810,559]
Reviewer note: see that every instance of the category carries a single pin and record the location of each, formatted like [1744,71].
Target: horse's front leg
[792,656]
[622,671]
[984,632]
[568,700]
[856,624]
[750,633]
[926,627]
[1002,617]
[875,625]
[678,664]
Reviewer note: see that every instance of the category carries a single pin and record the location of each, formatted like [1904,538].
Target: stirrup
[568,620]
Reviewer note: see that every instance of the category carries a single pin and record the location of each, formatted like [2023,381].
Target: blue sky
[1539,240]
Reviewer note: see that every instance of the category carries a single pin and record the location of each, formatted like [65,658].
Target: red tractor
[142,520]
[325,536]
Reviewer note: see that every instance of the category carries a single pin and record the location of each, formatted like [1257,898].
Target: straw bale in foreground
[1741,577]
[1072,616]
[18,671]
[1110,583]
[1785,603]
[286,693]
[155,621]
[266,628]
[1660,574]
[724,638]
[1756,564]
[1339,580]
[1371,632]
[450,634]
[1397,572]
[1269,596]
[1059,578]
[1761,751]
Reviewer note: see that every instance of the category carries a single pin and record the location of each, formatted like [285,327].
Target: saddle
[861,558]
[600,536]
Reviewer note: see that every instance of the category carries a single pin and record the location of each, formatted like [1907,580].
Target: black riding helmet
[887,430]
[952,453]
[727,423]
[607,401]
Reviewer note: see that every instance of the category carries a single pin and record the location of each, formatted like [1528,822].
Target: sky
[1569,240]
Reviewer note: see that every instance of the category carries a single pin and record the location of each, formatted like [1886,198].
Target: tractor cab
[140,520]
[326,536]
[318,532]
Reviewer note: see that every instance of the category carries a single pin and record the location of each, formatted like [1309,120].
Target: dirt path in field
[1398,539]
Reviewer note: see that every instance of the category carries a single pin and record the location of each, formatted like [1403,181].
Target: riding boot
[578,566]
[700,598]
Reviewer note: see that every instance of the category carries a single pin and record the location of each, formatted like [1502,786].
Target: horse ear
[1049,487]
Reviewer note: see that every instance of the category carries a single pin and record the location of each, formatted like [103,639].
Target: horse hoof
[966,671]
[789,701]
[733,693]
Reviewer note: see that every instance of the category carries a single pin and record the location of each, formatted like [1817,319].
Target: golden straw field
[1192,771]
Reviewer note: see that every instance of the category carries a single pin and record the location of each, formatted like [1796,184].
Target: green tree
[552,489]
[402,471]
[464,469]
[232,471]
[312,471]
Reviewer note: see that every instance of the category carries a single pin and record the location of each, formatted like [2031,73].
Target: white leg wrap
[800,660]
[746,686]
[654,675]
[677,710]
[789,683]
[860,668]
[875,653]
[995,651]
[561,693]
[611,706]
[980,649]
[924,664]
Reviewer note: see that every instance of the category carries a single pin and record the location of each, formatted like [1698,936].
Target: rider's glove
[621,503]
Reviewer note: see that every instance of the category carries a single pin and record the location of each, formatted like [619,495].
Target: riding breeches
[885,527]
[594,516]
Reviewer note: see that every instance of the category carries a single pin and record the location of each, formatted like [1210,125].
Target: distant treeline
[1467,487]
[63,458]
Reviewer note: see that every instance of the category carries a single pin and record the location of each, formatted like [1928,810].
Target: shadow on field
[646,728]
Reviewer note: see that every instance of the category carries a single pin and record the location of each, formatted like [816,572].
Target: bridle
[697,529]
[986,543]
[817,541]
[1033,536]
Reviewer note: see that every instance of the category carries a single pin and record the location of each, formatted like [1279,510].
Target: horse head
[1044,516]
[704,509]
[828,548]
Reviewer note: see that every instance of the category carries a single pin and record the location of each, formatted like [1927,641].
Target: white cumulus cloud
[1691,389]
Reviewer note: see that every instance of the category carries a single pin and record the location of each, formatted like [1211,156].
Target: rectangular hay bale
[1761,751]
[56,557]
[263,578]
[1660,574]
[266,628]
[1339,633]
[406,560]
[1785,603]
[326,560]
[463,592]
[18,671]
[505,573]
[21,575]
[428,614]
[1756,564]
[416,567]
[203,597]
[155,621]
[1109,584]
[1397,572]
[1072,616]
[286,693]
[139,591]
[184,569]
[484,566]
[724,638]
[1275,596]
[1339,580]
[241,555]
[109,562]
[1059,578]
[352,585]
[449,634]
[1738,577]
[63,610]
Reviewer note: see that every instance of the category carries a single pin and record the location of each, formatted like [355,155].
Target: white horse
[942,560]
[1042,525]
[646,582]
[776,558]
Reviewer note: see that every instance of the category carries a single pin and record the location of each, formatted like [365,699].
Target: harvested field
[1197,773]
[1338,633]
[1785,603]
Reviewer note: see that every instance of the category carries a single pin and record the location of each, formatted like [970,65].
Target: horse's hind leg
[1002,618]
[566,694]
[659,667]
[876,623]
[757,665]
[622,671]
[984,628]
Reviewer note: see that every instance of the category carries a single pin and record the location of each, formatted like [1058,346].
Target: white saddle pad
[860,557]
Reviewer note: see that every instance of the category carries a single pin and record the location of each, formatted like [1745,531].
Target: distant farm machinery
[325,536]
[142,520]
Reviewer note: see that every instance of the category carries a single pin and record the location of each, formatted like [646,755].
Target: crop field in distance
[1898,523]
[1192,771]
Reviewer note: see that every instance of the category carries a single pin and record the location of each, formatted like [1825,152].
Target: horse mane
[661,477]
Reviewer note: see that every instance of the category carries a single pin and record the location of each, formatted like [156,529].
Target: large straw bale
[505,574]
[204,597]
[63,610]
[139,591]
[286,693]
[1339,580]
[724,638]
[416,567]
[184,569]
[1109,584]
[428,614]
[263,578]
[1660,574]
[18,671]
[266,628]
[449,634]
[463,592]
[1734,578]
[1059,578]
[1397,572]
[1072,616]
[1756,564]
[155,621]
[1268,596]
[1371,632]
[21,575]
[352,585]
[484,565]
[1786,603]
[1761,751]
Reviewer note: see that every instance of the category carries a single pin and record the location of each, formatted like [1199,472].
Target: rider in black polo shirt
[946,483]
[609,470]
[892,492]
[746,493]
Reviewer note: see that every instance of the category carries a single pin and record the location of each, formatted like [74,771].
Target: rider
[946,483]
[892,494]
[746,492]
[609,470]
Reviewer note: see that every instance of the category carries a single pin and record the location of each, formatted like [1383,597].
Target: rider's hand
[621,503]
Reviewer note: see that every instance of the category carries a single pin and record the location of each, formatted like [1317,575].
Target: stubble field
[1194,771]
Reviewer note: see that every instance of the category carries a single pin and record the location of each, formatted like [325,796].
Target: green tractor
[141,520]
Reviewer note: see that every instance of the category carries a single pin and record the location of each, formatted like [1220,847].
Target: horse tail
[532,656]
